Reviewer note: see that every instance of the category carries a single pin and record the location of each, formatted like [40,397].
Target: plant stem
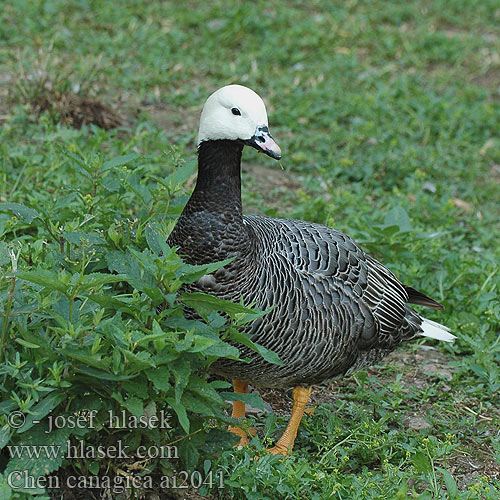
[5,325]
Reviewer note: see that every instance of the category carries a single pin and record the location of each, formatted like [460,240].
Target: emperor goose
[334,309]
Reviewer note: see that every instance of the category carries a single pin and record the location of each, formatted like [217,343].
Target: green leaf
[223,350]
[142,192]
[45,278]
[5,492]
[188,453]
[87,169]
[398,216]
[146,258]
[252,398]
[137,386]
[27,344]
[111,303]
[134,405]
[94,468]
[220,384]
[201,344]
[49,459]
[84,357]
[42,409]
[181,413]
[26,213]
[157,334]
[156,242]
[137,362]
[5,436]
[4,253]
[182,371]
[190,273]
[197,405]
[127,265]
[268,355]
[204,304]
[34,338]
[204,389]
[154,293]
[99,374]
[179,176]
[217,439]
[7,406]
[76,238]
[123,263]
[422,463]
[160,377]
[98,279]
[111,182]
[449,481]
[118,161]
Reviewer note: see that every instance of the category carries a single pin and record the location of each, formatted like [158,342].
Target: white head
[237,113]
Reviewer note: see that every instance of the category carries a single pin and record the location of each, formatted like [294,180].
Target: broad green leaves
[27,214]
[106,326]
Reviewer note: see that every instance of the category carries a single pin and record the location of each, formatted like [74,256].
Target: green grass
[388,114]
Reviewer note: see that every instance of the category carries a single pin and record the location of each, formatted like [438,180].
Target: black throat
[211,226]
[218,187]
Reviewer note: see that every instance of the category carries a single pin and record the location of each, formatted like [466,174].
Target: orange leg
[239,412]
[285,444]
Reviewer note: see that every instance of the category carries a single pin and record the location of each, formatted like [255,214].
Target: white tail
[436,331]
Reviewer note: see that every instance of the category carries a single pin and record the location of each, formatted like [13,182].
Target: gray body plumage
[335,309]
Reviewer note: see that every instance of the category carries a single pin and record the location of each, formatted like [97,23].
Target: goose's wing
[321,253]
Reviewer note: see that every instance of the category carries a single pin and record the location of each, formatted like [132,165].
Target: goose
[333,308]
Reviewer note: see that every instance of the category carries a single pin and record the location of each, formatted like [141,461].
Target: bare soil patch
[172,119]
[490,80]
[272,178]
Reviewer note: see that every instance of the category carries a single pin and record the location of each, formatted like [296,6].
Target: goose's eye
[236,111]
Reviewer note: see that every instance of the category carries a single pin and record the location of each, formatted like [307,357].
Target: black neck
[218,187]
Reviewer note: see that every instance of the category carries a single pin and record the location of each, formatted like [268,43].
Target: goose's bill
[264,142]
